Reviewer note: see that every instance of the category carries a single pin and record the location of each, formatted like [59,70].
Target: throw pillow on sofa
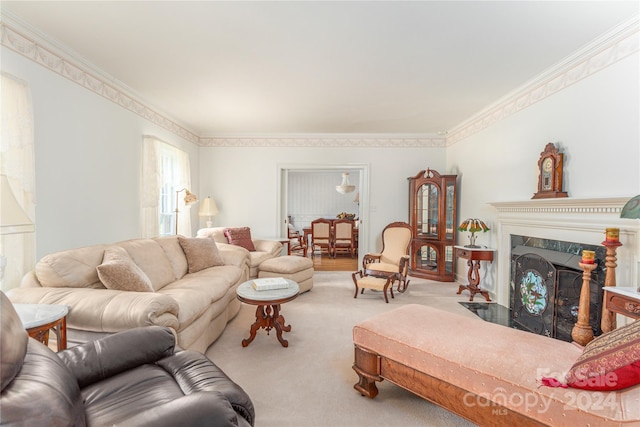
[200,253]
[609,362]
[119,272]
[240,236]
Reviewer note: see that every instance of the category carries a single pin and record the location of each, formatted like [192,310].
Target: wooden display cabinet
[432,216]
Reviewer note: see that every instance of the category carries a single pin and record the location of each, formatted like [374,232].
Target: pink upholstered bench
[482,371]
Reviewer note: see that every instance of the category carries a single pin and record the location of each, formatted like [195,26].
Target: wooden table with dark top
[474,256]
[268,308]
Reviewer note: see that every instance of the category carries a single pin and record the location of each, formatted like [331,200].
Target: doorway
[287,171]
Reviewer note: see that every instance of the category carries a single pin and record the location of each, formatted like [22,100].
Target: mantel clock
[550,174]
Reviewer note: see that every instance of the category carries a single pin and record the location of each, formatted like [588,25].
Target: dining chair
[343,237]
[394,257]
[321,236]
[297,245]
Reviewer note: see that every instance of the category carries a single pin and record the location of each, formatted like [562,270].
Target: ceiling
[224,68]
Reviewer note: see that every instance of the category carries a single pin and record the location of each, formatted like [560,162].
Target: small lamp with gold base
[473,225]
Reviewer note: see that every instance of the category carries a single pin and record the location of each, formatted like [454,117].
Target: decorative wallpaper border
[73,70]
[605,51]
[325,141]
[601,53]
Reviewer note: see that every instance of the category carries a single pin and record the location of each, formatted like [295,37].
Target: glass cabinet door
[427,214]
[426,258]
[432,214]
[449,207]
[448,259]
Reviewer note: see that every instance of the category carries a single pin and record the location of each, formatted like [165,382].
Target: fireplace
[563,220]
[545,286]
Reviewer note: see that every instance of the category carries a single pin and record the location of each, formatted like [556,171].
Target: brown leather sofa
[133,378]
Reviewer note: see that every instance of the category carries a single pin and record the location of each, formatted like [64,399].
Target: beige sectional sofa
[264,249]
[196,304]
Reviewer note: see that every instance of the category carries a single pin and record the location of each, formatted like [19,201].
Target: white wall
[244,181]
[88,154]
[88,161]
[595,122]
[312,194]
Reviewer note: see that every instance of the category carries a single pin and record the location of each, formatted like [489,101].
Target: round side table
[39,319]
[268,308]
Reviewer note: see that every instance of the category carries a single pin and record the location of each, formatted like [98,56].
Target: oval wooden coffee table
[268,311]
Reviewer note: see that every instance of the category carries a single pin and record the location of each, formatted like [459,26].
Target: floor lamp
[189,199]
[208,208]
[13,219]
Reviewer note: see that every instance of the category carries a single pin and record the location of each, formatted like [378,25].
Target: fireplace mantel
[564,205]
[566,219]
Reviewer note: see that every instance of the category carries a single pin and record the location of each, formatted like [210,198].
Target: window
[169,171]
[17,163]
[165,172]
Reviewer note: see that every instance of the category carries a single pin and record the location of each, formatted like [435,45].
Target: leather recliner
[132,378]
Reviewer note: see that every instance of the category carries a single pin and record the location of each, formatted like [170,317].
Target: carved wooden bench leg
[367,366]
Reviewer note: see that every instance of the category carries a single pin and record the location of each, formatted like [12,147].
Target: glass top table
[247,291]
[39,319]
[268,308]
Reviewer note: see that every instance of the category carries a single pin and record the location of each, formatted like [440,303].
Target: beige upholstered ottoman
[298,269]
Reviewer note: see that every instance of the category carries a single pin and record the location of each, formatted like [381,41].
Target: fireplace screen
[534,293]
[568,300]
[545,295]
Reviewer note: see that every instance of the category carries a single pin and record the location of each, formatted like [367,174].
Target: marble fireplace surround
[567,219]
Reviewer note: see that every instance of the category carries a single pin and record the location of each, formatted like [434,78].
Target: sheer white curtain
[17,162]
[184,181]
[151,184]
[165,170]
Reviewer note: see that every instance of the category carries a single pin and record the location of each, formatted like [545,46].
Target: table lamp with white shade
[208,208]
[13,219]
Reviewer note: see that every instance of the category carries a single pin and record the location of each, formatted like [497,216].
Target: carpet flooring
[310,383]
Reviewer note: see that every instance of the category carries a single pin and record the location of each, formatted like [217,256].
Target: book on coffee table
[268,283]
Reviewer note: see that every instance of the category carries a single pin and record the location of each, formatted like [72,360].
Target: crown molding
[30,44]
[324,141]
[563,205]
[615,45]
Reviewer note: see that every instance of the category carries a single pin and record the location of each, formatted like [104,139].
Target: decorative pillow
[240,237]
[609,362]
[201,253]
[119,272]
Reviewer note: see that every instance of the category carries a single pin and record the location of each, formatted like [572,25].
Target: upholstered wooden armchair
[321,235]
[394,257]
